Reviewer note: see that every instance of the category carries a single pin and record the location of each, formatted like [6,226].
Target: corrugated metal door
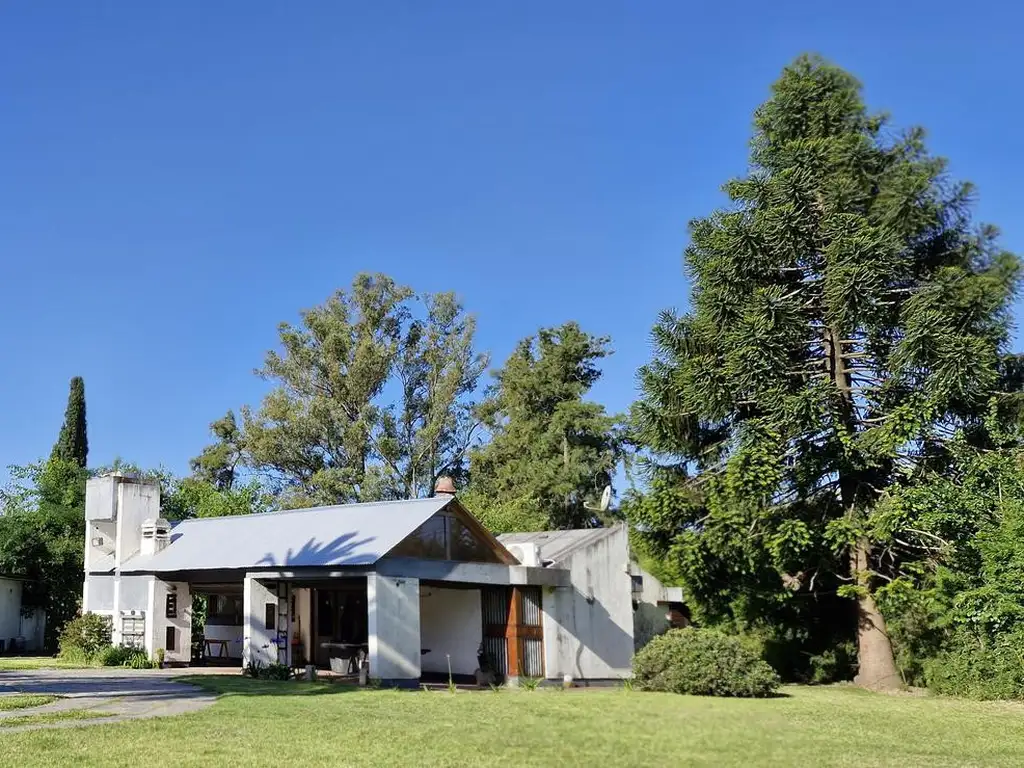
[495,608]
[530,632]
[513,635]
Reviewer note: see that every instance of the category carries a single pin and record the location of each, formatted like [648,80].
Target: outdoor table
[223,648]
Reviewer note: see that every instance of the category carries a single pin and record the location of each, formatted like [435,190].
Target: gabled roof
[337,536]
[555,546]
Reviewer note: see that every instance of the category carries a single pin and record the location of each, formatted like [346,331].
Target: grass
[24,701]
[52,717]
[319,724]
[16,663]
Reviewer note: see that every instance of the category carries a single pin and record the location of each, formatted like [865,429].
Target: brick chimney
[444,486]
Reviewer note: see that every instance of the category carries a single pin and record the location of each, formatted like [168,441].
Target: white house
[416,587]
[20,629]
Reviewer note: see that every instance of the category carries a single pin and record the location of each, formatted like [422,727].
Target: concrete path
[114,694]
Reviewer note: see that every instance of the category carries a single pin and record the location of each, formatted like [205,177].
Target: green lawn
[14,663]
[52,717]
[24,700]
[318,724]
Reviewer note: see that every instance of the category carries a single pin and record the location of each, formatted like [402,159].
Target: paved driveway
[115,694]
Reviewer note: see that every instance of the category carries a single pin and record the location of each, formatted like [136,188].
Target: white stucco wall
[259,643]
[136,501]
[98,595]
[588,627]
[157,621]
[451,623]
[10,610]
[393,606]
[651,617]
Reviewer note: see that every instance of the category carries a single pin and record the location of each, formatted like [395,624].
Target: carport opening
[217,624]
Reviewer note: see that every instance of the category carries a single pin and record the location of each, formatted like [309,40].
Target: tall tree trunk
[877,666]
[876,663]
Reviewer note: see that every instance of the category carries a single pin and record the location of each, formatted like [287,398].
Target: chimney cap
[444,486]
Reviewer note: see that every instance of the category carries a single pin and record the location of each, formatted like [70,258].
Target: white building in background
[20,629]
[408,586]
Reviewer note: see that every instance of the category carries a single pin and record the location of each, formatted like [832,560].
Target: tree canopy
[847,321]
[372,399]
[73,442]
[550,451]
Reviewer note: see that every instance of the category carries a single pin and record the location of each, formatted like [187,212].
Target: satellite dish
[606,500]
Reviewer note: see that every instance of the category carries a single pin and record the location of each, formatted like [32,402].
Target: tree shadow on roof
[342,551]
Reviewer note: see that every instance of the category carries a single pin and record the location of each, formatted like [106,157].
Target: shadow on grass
[237,685]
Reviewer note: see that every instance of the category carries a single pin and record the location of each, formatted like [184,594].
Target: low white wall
[10,610]
[588,626]
[451,623]
[393,606]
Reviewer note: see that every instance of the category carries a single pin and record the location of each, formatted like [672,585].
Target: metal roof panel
[339,536]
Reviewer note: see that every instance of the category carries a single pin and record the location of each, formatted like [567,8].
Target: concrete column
[259,642]
[158,622]
[393,605]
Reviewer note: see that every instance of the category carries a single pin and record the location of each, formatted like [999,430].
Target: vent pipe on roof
[444,486]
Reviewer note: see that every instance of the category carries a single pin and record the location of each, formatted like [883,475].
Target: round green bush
[87,634]
[702,662]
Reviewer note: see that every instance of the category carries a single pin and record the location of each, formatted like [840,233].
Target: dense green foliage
[87,633]
[703,662]
[187,497]
[372,400]
[73,443]
[847,323]
[957,608]
[551,451]
[123,656]
[42,538]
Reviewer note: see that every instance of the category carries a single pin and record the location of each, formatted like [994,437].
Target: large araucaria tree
[846,321]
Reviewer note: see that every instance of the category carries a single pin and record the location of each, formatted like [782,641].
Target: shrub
[259,671]
[992,672]
[138,659]
[704,663]
[123,656]
[86,634]
[112,655]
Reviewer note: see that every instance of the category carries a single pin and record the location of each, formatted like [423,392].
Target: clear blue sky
[177,178]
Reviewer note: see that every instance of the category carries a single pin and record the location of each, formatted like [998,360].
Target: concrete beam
[472,573]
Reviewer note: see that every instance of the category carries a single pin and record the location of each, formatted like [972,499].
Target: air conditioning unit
[526,553]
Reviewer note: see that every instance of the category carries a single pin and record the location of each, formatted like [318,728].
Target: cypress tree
[72,444]
[847,321]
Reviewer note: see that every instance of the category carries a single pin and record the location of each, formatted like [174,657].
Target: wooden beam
[512,631]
